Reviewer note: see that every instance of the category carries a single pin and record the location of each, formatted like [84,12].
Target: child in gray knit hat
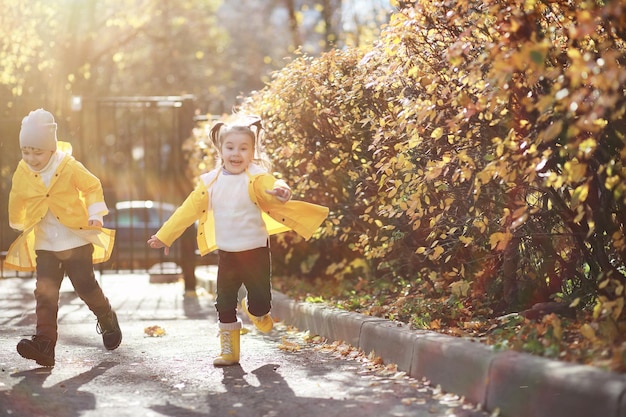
[58,205]
[39,130]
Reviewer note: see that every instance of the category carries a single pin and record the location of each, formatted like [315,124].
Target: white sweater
[238,222]
[50,234]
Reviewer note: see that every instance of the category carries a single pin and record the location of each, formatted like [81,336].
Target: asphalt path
[284,373]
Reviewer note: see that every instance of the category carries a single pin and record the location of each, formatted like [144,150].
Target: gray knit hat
[39,131]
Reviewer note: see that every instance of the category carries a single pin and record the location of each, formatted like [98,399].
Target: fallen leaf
[288,346]
[154,331]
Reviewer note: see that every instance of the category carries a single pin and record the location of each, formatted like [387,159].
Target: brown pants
[51,269]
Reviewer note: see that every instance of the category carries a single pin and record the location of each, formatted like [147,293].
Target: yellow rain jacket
[300,216]
[72,189]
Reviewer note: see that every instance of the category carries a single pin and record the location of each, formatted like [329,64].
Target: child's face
[237,152]
[36,158]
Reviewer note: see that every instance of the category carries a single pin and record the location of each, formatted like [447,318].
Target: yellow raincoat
[302,217]
[72,190]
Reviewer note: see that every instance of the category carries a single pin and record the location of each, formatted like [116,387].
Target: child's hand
[155,243]
[95,223]
[281,193]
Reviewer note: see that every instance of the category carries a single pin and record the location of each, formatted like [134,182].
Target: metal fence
[135,146]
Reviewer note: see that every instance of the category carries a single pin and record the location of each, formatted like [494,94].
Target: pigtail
[255,124]
[214,134]
[258,127]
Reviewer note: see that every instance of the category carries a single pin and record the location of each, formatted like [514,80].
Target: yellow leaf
[460,288]
[588,146]
[437,133]
[288,346]
[154,331]
[499,240]
[587,331]
[437,253]
[580,194]
[574,170]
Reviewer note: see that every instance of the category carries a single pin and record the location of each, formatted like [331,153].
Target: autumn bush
[472,159]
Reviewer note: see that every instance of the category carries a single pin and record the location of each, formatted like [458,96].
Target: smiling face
[36,158]
[237,151]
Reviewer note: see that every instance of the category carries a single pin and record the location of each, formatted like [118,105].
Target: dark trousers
[251,268]
[51,268]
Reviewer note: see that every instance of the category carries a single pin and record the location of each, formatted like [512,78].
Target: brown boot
[38,348]
[109,328]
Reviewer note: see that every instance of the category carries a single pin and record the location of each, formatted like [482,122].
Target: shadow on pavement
[19,304]
[193,309]
[30,398]
[272,397]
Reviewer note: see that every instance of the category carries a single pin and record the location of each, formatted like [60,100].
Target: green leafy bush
[476,152]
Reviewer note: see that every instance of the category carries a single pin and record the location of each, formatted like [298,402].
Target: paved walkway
[279,375]
[174,376]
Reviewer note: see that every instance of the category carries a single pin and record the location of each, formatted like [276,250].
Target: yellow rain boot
[264,323]
[229,342]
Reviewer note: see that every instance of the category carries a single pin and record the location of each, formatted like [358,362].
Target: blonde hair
[250,125]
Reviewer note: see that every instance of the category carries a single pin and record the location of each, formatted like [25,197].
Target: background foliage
[472,160]
[53,50]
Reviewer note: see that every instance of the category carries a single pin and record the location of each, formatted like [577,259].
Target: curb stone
[518,384]
[457,365]
[534,386]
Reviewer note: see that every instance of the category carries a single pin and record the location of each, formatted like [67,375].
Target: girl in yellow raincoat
[238,206]
[58,206]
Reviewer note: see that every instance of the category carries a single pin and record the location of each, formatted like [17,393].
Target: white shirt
[238,222]
[50,234]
